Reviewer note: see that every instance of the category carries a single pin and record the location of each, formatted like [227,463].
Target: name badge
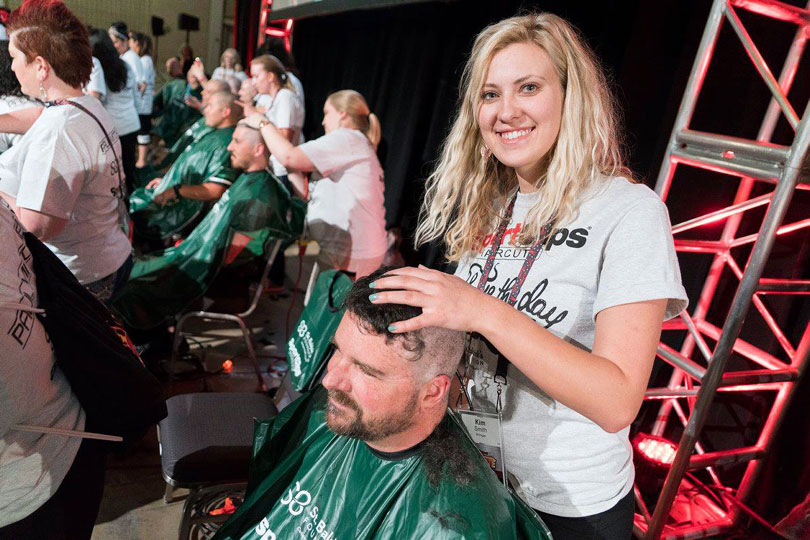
[485,431]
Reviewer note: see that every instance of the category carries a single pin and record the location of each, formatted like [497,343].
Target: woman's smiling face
[521,109]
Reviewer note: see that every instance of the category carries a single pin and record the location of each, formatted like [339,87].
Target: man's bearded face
[372,392]
[345,417]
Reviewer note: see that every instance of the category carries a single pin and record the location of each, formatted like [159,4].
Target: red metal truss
[697,376]
[268,26]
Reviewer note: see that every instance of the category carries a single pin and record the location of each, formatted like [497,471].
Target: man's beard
[341,422]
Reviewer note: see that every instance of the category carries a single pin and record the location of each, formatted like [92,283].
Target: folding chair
[206,443]
[237,318]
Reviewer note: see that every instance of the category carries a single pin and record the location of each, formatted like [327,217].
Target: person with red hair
[63,179]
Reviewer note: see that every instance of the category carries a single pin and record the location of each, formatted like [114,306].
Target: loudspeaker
[188,22]
[157,27]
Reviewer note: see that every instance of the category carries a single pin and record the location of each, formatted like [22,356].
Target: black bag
[118,394]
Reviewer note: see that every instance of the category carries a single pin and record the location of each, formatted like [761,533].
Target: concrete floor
[132,506]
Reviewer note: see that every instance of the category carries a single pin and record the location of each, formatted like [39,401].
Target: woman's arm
[291,157]
[41,225]
[300,184]
[21,120]
[606,385]
[207,191]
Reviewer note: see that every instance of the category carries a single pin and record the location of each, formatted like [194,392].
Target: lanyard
[531,257]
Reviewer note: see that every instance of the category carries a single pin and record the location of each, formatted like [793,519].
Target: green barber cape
[205,159]
[254,212]
[307,482]
[194,133]
[173,113]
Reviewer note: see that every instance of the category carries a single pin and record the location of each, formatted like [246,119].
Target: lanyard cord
[531,257]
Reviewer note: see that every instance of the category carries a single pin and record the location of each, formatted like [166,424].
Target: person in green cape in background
[374,453]
[194,133]
[170,107]
[242,224]
[171,204]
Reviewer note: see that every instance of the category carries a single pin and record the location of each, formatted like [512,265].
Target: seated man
[194,133]
[242,224]
[374,453]
[248,154]
[201,173]
[170,107]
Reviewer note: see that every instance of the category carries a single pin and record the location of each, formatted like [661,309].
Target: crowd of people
[130,185]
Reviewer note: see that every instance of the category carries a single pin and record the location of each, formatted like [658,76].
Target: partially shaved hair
[226,99]
[250,134]
[432,351]
[214,86]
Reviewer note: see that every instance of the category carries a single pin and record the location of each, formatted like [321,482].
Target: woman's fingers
[408,298]
[409,325]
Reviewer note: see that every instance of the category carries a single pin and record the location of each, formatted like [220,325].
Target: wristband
[177,192]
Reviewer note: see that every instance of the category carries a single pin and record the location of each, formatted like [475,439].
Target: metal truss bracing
[697,376]
[268,26]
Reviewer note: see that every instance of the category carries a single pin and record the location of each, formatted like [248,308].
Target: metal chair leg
[251,350]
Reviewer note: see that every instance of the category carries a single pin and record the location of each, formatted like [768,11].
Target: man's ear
[435,391]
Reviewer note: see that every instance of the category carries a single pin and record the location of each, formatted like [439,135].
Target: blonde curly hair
[467,193]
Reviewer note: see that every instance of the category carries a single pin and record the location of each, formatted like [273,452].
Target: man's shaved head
[248,134]
[214,86]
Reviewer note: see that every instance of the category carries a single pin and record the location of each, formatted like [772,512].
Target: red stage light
[656,449]
[227,365]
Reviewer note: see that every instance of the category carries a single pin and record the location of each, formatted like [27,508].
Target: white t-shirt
[144,100]
[222,74]
[299,90]
[285,112]
[122,108]
[8,104]
[97,83]
[346,213]
[64,167]
[32,465]
[618,250]
[134,61]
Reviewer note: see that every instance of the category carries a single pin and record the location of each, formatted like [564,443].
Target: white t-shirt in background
[299,91]
[122,108]
[618,250]
[64,167]
[144,100]
[8,104]
[134,61]
[285,111]
[97,83]
[350,198]
[222,74]
[32,465]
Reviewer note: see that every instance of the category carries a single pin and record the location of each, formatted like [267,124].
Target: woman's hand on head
[250,111]
[254,120]
[446,300]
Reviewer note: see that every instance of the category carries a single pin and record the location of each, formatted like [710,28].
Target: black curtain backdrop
[247,21]
[407,62]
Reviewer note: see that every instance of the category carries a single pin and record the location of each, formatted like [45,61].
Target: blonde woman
[277,100]
[566,270]
[230,65]
[346,213]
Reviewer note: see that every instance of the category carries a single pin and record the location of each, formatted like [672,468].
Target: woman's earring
[485,152]
[43,95]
